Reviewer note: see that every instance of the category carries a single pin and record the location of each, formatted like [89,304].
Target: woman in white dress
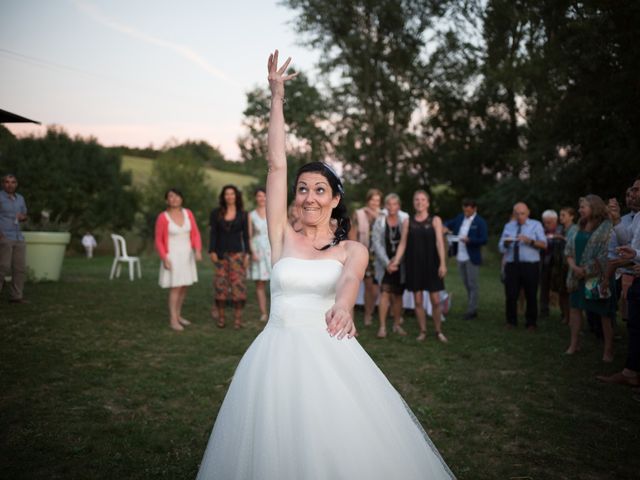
[178,243]
[260,268]
[306,401]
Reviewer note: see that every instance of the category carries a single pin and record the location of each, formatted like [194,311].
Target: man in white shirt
[471,231]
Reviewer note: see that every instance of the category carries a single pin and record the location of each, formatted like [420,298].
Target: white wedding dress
[303,405]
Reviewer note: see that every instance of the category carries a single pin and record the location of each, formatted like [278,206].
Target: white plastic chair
[120,247]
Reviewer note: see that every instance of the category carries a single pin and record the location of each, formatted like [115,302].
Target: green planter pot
[45,253]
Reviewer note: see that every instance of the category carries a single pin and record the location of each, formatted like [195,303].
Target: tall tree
[307,118]
[372,52]
[568,69]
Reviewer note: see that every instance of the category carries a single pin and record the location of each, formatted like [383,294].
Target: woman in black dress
[425,262]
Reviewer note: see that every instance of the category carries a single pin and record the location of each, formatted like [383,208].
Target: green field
[96,386]
[140,169]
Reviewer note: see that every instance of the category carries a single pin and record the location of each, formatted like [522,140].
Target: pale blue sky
[137,72]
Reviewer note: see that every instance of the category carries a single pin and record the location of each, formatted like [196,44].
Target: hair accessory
[333,172]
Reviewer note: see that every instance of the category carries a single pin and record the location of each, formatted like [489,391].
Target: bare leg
[575,322]
[262,299]
[174,316]
[220,308]
[607,332]
[370,297]
[436,311]
[383,310]
[237,313]
[396,308]
[421,315]
[563,300]
[182,296]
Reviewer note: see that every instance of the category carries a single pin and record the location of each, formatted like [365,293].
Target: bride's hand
[277,76]
[340,322]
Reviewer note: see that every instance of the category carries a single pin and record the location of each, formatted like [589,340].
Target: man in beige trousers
[13,211]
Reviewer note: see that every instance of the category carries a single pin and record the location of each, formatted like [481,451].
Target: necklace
[394,236]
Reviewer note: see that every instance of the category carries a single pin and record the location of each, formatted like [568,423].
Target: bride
[306,401]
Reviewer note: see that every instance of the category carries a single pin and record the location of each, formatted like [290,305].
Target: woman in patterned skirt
[229,251]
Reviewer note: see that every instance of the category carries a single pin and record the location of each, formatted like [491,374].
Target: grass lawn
[96,386]
[140,169]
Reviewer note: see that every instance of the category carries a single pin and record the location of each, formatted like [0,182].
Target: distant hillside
[140,169]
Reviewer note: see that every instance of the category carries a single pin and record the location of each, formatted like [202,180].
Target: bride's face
[314,199]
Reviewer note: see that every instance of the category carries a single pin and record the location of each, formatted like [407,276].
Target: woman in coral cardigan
[179,245]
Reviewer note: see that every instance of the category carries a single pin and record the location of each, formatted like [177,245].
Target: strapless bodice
[302,291]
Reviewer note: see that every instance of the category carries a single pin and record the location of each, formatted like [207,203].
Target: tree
[500,99]
[572,68]
[76,180]
[306,111]
[176,169]
[373,54]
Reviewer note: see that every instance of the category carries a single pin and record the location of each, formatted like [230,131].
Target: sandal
[382,333]
[399,330]
[220,323]
[237,325]
[440,336]
[422,337]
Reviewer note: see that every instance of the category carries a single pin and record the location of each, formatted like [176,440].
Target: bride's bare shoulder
[355,248]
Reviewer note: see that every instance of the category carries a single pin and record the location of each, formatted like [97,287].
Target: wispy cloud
[182,50]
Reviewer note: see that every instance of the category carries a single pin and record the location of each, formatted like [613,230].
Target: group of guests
[238,248]
[590,259]
[408,252]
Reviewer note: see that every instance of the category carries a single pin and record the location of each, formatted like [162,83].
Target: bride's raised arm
[276,158]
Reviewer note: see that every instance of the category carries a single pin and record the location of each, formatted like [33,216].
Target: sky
[136,72]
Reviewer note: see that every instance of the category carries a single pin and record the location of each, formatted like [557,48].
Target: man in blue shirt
[471,230]
[13,211]
[521,241]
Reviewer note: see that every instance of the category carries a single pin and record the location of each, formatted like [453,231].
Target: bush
[75,180]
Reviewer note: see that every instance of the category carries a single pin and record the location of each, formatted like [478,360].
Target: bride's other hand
[340,322]
[277,76]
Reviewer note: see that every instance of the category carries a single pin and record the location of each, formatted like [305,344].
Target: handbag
[593,290]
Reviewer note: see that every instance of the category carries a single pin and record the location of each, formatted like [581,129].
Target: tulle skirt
[303,405]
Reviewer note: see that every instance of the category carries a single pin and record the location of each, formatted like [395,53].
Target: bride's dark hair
[339,213]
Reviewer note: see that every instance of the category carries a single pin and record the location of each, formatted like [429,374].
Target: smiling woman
[313,192]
